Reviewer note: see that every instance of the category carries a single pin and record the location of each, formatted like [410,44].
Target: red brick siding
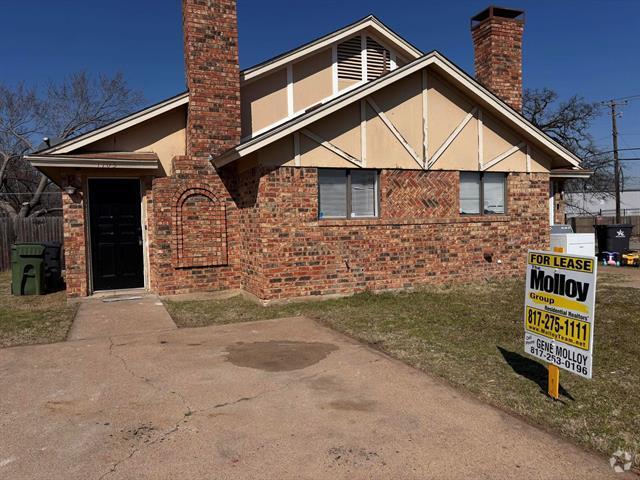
[418,194]
[404,248]
[215,265]
[75,240]
[213,79]
[498,57]
[196,243]
[200,227]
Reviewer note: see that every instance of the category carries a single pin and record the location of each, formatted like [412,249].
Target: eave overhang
[570,173]
[124,123]
[123,160]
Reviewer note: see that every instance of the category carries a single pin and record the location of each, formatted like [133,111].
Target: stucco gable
[428,115]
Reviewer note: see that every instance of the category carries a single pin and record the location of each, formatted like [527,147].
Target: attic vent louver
[378,59]
[350,59]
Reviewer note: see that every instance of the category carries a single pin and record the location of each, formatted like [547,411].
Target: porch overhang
[566,173]
[112,160]
[96,164]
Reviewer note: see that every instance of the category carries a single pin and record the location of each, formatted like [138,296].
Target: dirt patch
[278,356]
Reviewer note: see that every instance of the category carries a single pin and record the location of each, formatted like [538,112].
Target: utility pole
[616,161]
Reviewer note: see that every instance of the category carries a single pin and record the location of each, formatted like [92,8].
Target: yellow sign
[566,262]
[557,327]
[559,308]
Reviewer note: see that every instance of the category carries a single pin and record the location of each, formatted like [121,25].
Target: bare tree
[60,111]
[568,123]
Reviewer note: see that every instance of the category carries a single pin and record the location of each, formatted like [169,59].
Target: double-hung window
[482,193]
[347,193]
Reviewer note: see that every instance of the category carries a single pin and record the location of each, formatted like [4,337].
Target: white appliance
[575,243]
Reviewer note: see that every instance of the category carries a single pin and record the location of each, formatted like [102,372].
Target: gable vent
[378,59]
[350,59]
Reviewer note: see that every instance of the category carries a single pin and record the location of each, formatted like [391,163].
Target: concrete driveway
[278,399]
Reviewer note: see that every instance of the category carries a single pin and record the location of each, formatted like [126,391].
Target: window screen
[363,193]
[469,192]
[493,192]
[333,193]
[482,189]
[347,193]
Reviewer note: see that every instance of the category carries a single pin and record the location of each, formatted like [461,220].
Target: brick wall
[213,79]
[419,239]
[497,44]
[75,241]
[189,252]
[195,231]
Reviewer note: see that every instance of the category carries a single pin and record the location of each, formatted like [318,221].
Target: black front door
[116,234]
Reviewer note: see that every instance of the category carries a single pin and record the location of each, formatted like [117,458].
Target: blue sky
[580,47]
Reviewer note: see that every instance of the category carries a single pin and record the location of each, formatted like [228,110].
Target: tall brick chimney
[497,42]
[213,78]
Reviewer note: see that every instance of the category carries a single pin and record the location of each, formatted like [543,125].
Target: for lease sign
[559,307]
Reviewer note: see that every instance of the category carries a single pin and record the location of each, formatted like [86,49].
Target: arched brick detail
[200,227]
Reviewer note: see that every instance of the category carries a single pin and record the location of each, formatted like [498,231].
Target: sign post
[559,313]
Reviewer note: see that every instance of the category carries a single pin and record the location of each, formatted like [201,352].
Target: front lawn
[33,319]
[473,337]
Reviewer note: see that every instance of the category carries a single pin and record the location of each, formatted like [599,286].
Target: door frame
[143,221]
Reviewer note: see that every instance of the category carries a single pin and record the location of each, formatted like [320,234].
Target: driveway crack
[147,381]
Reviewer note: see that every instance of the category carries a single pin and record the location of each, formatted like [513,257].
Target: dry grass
[33,319]
[473,337]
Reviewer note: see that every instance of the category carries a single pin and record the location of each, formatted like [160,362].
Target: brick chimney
[497,42]
[213,78]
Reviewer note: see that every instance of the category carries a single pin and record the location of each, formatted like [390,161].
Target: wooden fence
[36,229]
[585,224]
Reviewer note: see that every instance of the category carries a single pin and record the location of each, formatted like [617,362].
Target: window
[482,189]
[347,193]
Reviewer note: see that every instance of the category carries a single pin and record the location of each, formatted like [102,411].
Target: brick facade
[75,239]
[195,243]
[213,79]
[258,229]
[497,42]
[420,238]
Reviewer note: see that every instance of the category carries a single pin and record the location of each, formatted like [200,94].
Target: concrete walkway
[109,315]
[279,399]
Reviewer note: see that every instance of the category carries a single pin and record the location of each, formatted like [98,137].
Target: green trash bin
[27,268]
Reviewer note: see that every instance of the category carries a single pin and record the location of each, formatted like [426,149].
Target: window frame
[349,212]
[481,201]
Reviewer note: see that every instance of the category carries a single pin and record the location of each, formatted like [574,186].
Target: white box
[575,243]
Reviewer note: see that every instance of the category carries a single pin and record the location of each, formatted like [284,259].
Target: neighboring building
[588,204]
[353,162]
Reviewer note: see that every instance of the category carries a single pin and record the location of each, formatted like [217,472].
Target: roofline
[571,174]
[433,57]
[326,40]
[60,161]
[118,125]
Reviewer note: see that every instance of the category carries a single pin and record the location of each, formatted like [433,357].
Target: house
[353,162]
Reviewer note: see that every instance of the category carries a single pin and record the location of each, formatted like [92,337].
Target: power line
[629,97]
[610,151]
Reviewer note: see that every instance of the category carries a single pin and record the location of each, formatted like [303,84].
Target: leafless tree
[568,122]
[77,104]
